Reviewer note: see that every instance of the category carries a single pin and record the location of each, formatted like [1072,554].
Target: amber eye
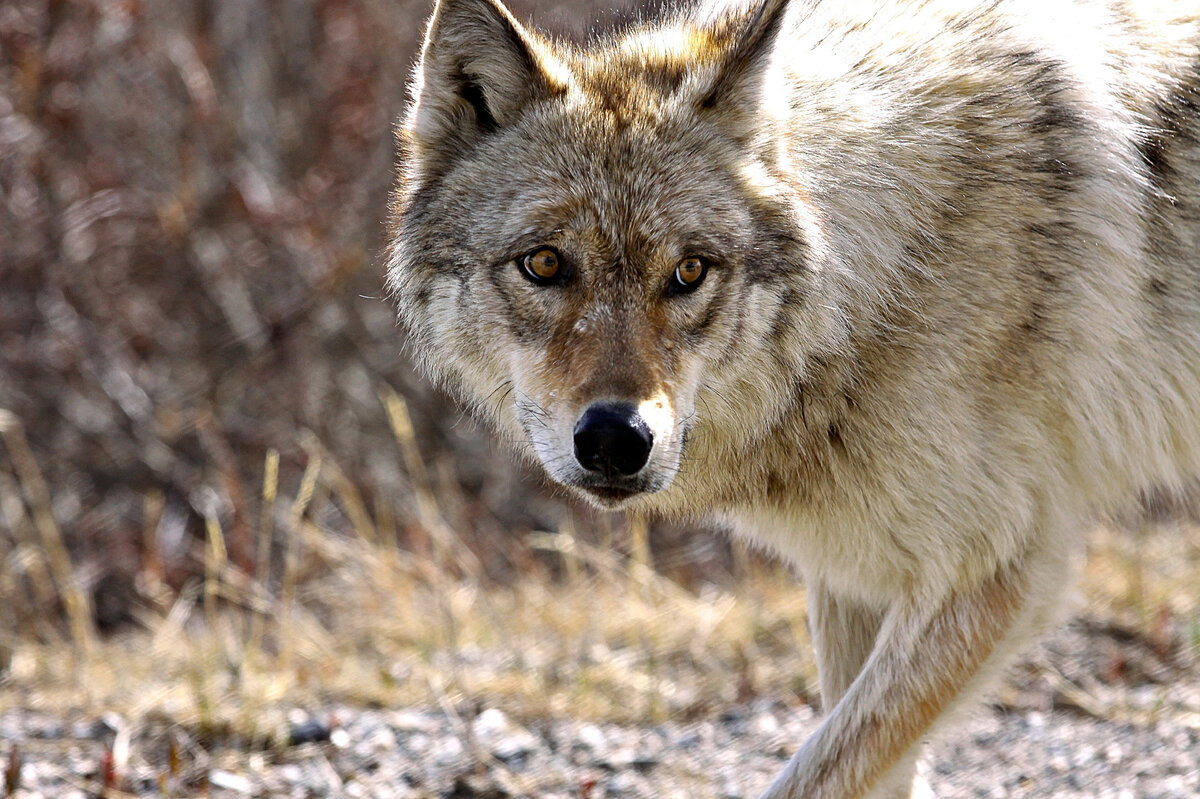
[542,266]
[689,274]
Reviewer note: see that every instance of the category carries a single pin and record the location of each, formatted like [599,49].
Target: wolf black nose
[612,438]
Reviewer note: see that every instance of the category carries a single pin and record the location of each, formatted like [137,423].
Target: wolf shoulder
[1083,113]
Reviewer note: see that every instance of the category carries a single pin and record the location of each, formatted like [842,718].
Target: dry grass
[1148,582]
[348,617]
[379,628]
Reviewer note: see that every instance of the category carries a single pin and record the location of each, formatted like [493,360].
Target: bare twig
[29,475]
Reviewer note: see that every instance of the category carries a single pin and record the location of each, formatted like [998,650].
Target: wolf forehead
[563,170]
[646,72]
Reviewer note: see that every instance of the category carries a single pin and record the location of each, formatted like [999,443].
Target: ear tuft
[479,69]
[738,85]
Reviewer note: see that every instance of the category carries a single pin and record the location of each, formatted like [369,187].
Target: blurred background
[191,214]
[223,491]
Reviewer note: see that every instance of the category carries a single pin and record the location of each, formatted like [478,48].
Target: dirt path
[1092,713]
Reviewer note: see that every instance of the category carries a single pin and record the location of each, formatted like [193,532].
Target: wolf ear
[738,84]
[479,68]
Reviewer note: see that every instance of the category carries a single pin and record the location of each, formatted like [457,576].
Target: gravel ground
[1125,725]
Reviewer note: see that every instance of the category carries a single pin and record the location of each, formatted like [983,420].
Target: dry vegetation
[341,615]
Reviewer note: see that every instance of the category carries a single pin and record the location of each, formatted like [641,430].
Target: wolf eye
[689,274]
[542,266]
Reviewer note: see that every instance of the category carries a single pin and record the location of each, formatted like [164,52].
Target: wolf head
[606,250]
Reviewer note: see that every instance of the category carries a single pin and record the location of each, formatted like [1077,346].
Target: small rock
[92,730]
[229,782]
[381,739]
[764,725]
[474,786]
[49,730]
[446,750]
[413,722]
[730,787]
[506,741]
[623,784]
[592,737]
[308,732]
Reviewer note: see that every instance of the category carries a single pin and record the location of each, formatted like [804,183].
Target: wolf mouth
[610,495]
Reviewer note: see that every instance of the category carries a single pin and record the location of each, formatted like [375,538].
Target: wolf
[908,291]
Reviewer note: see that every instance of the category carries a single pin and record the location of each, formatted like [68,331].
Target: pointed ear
[738,86]
[479,67]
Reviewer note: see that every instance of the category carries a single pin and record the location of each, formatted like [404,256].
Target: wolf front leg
[844,633]
[926,654]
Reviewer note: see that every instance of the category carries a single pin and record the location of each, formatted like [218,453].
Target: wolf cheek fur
[908,290]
